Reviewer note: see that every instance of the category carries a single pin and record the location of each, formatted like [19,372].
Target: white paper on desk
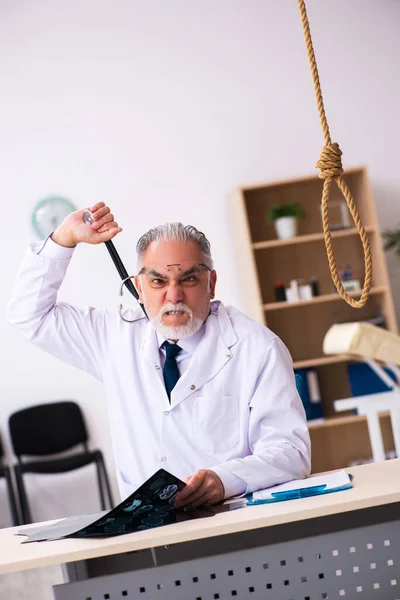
[331,481]
[60,529]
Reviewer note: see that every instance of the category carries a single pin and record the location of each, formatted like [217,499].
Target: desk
[345,544]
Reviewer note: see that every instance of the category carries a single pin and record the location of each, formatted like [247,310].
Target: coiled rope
[330,165]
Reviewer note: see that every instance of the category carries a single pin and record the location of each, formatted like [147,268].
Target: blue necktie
[170,371]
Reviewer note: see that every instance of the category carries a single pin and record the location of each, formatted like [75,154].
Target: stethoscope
[123,273]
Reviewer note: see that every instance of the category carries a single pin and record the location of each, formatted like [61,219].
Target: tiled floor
[35,584]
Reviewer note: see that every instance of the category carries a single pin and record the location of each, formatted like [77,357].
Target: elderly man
[196,387]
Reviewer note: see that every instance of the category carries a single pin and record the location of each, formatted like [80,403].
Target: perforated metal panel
[360,563]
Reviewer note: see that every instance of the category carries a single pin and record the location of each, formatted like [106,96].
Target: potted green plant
[391,239]
[285,218]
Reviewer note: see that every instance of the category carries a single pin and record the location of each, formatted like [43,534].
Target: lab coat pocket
[216,423]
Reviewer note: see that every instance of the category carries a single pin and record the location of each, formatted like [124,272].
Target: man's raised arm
[67,332]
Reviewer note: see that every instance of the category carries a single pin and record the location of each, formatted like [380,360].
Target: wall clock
[49,213]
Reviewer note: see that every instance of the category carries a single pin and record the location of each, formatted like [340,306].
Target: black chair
[6,474]
[49,429]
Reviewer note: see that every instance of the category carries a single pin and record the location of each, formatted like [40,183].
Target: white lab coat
[235,409]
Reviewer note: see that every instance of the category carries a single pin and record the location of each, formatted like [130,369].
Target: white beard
[180,331]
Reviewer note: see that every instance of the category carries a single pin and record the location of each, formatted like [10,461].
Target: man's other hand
[74,230]
[204,487]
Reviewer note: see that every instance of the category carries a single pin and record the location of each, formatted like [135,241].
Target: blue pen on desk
[290,495]
[299,493]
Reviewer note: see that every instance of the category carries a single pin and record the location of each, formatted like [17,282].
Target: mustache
[170,306]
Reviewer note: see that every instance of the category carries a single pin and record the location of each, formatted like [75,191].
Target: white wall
[161,108]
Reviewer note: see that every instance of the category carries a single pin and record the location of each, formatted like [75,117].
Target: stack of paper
[363,339]
[303,488]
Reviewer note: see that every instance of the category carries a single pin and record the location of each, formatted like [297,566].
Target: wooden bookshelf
[263,259]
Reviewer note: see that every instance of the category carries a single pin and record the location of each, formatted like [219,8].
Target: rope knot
[330,162]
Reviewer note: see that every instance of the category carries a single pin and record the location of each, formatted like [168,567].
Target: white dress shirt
[235,408]
[188,346]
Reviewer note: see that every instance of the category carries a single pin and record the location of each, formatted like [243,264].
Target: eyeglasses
[158,276]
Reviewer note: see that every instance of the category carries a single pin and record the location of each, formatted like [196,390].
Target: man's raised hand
[74,230]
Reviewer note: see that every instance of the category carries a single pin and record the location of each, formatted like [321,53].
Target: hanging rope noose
[330,164]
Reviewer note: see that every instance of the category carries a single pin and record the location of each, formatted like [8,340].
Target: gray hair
[174,232]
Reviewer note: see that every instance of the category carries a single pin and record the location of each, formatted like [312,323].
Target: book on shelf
[364,381]
[310,393]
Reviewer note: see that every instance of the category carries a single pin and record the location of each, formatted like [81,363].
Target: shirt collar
[190,343]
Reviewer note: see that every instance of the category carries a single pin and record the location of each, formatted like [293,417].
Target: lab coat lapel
[210,356]
[151,351]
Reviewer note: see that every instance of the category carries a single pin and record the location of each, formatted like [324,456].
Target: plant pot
[286,227]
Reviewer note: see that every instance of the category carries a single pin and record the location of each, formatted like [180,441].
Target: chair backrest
[47,428]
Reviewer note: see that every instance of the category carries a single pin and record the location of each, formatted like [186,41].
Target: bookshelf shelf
[318,300]
[306,239]
[345,420]
[322,360]
[264,260]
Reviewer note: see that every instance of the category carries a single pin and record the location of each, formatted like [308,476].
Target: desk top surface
[374,485]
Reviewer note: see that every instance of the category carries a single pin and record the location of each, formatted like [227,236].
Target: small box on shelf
[349,280]
[339,215]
